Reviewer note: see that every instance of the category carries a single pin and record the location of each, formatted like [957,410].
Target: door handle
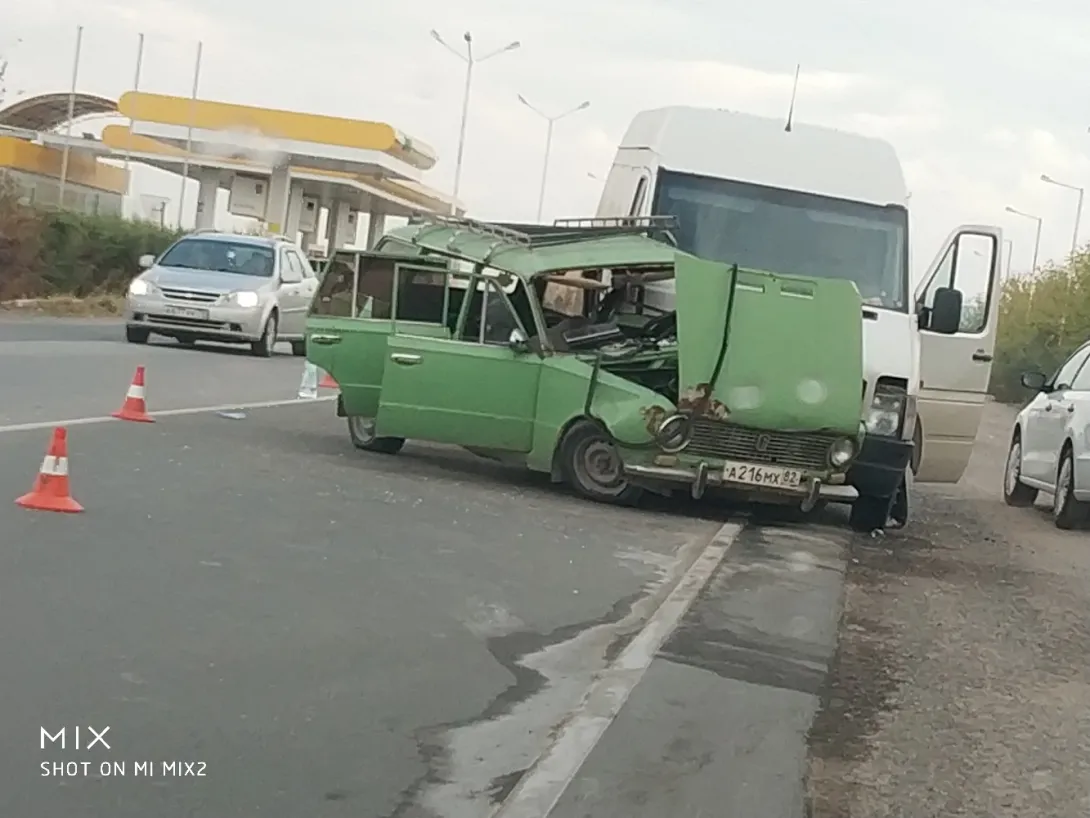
[404,359]
[1071,408]
[325,340]
[981,355]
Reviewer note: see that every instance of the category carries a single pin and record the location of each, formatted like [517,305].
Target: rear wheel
[591,465]
[135,335]
[1068,512]
[263,347]
[362,432]
[1015,492]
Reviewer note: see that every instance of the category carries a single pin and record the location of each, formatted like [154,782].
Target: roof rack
[634,223]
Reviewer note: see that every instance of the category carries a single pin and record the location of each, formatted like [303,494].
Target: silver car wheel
[1014,467]
[1063,487]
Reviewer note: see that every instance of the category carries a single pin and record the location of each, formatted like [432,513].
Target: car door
[955,368]
[289,296]
[1048,418]
[308,288]
[474,390]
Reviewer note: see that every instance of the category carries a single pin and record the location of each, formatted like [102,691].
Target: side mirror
[945,313]
[1034,380]
[518,342]
[147,261]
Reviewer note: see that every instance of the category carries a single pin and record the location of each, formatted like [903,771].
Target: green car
[543,345]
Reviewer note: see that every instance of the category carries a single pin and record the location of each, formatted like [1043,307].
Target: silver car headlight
[886,412]
[841,452]
[139,286]
[673,433]
[245,298]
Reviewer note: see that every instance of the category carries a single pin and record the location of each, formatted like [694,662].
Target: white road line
[541,787]
[193,410]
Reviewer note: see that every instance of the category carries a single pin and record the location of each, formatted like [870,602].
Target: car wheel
[591,465]
[1015,492]
[870,512]
[135,335]
[298,348]
[1067,512]
[362,432]
[263,347]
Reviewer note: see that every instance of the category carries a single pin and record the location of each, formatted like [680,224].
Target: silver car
[224,287]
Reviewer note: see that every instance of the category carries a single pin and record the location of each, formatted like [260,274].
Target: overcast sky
[980,97]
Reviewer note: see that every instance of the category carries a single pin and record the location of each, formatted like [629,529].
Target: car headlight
[842,451]
[887,411]
[245,298]
[673,433]
[139,286]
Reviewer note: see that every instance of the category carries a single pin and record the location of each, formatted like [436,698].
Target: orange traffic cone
[327,382]
[50,492]
[135,408]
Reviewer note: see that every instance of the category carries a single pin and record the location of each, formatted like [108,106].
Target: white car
[1050,444]
[224,287]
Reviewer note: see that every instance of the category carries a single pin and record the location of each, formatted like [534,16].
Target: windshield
[784,231]
[241,258]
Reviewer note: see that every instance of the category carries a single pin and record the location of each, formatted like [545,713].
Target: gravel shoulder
[960,685]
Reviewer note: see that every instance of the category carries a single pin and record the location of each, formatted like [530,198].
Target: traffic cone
[308,386]
[135,407]
[327,381]
[50,492]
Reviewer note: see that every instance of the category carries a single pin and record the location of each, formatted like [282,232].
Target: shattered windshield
[783,231]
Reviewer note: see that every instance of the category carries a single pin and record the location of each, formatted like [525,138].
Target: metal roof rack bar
[482,228]
[622,222]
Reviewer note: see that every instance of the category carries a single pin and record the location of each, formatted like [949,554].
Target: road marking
[192,410]
[539,790]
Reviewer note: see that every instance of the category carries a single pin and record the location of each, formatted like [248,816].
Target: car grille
[189,296]
[800,450]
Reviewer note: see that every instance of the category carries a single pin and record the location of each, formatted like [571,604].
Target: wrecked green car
[542,345]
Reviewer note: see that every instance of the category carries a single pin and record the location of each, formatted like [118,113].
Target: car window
[221,255]
[375,292]
[967,266]
[303,263]
[290,271]
[422,296]
[334,296]
[490,320]
[1065,375]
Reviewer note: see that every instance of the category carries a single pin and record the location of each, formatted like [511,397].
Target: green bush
[1042,319]
[55,252]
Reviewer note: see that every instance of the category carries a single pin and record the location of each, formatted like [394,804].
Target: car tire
[1015,492]
[362,432]
[135,335]
[869,512]
[298,348]
[1067,512]
[591,466]
[263,347]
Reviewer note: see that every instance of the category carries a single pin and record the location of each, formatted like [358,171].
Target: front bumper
[212,321]
[879,468]
[702,476]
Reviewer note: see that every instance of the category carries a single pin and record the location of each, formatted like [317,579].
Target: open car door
[955,366]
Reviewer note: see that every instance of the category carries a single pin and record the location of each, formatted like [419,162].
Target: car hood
[794,358]
[208,281]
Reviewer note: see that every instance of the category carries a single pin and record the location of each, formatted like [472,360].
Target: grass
[66,306]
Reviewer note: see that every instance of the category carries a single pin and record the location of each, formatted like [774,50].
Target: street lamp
[1037,241]
[1078,210]
[552,120]
[470,61]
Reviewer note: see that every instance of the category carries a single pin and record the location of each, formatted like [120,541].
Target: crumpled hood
[794,358]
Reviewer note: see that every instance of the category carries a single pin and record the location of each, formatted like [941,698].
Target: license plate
[772,477]
[186,312]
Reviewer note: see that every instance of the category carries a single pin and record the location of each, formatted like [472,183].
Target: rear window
[239,258]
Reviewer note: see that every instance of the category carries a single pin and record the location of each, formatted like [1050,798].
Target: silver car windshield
[240,258]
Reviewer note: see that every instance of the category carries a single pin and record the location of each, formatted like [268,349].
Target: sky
[979,98]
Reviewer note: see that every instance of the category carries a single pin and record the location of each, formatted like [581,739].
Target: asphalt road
[324,632]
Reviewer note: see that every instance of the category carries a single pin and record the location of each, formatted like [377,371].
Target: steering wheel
[658,328]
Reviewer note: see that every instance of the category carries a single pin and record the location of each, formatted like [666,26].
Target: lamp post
[1037,240]
[1078,209]
[551,120]
[470,61]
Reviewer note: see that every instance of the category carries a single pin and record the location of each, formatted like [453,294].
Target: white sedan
[1050,444]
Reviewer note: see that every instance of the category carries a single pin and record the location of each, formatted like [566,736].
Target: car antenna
[794,93]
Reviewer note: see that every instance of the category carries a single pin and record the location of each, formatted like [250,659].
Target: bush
[46,253]
[1042,319]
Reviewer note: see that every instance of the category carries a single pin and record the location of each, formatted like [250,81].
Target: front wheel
[1015,492]
[1068,512]
[263,347]
[362,432]
[591,465]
